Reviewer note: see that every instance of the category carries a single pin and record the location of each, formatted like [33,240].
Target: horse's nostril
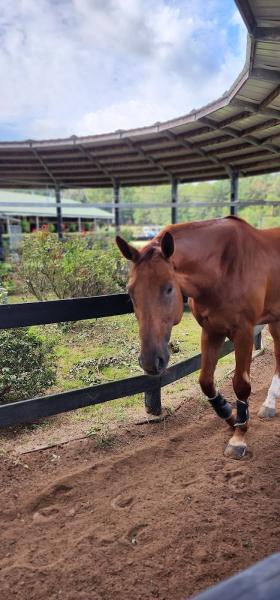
[159,363]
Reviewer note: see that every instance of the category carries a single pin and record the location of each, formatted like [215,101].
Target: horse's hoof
[236,452]
[266,412]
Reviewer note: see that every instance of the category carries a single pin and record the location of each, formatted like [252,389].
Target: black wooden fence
[58,311]
[259,582]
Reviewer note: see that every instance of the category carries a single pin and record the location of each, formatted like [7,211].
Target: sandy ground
[162,514]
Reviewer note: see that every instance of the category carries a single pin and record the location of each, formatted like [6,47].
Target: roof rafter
[238,134]
[197,149]
[254,108]
[266,33]
[45,167]
[96,162]
[266,74]
[266,101]
[148,157]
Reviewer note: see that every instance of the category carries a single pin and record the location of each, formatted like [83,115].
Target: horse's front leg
[210,346]
[243,345]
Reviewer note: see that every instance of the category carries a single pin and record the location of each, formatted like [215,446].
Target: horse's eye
[169,289]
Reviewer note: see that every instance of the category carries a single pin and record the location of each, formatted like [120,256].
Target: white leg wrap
[273,392]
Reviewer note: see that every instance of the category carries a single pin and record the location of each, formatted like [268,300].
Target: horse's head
[157,299]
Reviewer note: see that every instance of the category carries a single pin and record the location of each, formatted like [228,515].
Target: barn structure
[238,135]
[38,210]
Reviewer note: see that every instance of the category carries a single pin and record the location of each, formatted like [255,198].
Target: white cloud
[90,66]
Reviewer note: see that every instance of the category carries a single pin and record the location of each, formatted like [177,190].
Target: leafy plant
[6,276]
[75,268]
[26,364]
[104,438]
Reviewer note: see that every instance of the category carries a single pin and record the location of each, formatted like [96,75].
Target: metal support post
[116,199]
[174,198]
[233,192]
[58,213]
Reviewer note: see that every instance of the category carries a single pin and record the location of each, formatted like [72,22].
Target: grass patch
[102,436]
[101,350]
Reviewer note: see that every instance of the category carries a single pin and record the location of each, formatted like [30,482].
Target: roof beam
[45,167]
[240,155]
[243,115]
[254,108]
[96,162]
[14,182]
[274,94]
[261,163]
[148,157]
[266,74]
[238,134]
[259,126]
[197,149]
[267,33]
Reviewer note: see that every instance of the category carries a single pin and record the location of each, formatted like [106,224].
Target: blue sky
[91,66]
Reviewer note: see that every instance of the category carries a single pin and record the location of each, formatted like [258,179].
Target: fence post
[153,401]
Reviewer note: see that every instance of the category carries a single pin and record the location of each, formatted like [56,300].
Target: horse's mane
[146,254]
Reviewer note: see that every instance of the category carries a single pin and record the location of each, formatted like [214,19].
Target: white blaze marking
[273,392]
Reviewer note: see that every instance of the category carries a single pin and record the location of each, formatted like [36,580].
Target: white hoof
[266,412]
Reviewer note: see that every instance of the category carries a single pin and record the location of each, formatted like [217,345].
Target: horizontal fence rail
[59,311]
[259,582]
[41,313]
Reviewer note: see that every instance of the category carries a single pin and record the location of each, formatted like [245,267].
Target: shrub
[26,364]
[25,226]
[6,277]
[74,268]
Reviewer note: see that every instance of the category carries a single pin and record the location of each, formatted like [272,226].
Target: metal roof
[238,132]
[36,205]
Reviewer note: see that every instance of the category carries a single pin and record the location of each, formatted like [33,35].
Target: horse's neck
[196,260]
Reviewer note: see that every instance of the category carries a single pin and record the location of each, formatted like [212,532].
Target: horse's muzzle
[154,365]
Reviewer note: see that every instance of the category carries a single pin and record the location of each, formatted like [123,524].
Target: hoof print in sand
[121,502]
[138,534]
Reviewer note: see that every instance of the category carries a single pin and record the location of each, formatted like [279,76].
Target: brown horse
[230,272]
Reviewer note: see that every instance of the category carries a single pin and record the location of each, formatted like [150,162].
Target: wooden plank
[259,582]
[58,311]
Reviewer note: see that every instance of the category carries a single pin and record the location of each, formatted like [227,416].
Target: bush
[26,361]
[6,277]
[74,268]
[25,226]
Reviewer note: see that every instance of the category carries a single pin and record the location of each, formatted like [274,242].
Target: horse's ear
[126,249]
[167,244]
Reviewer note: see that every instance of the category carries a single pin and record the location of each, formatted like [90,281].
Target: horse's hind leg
[268,408]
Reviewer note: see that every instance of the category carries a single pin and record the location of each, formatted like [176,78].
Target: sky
[86,67]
